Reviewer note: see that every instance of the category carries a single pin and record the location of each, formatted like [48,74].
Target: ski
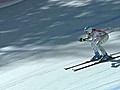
[67,68]
[78,65]
[114,53]
[96,63]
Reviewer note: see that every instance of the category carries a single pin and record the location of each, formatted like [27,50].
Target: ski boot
[96,57]
[106,57]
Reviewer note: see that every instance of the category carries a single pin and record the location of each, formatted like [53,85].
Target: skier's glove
[81,39]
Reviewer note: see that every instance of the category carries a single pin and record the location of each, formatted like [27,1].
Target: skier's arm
[86,39]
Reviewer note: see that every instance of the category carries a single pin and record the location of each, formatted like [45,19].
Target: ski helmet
[88,29]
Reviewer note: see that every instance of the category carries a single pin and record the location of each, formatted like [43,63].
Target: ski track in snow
[28,76]
[41,38]
[34,73]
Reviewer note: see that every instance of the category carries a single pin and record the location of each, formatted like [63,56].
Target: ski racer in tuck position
[96,37]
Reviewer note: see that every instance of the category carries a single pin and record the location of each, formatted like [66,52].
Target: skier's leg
[101,41]
[103,51]
[94,46]
[95,49]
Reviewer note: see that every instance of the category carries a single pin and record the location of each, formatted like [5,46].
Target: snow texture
[38,38]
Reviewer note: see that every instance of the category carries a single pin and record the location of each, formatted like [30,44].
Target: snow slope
[38,38]
[7,3]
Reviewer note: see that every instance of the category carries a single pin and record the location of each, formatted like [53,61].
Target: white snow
[35,58]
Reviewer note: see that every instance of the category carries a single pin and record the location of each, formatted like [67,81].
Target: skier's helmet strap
[88,29]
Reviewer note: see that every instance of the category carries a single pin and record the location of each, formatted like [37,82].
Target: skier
[96,37]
